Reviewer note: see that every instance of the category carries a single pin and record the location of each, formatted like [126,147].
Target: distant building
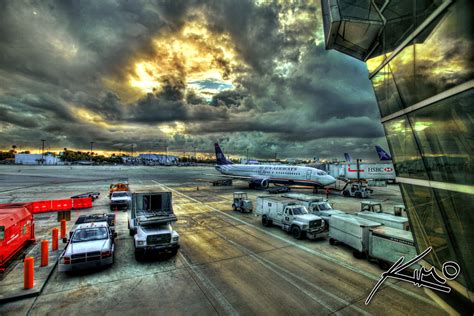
[35,159]
[419,58]
[158,159]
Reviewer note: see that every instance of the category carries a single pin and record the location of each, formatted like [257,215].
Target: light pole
[92,143]
[42,151]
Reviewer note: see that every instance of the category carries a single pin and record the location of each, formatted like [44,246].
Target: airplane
[383,155]
[260,176]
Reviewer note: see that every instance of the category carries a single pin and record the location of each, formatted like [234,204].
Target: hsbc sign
[378,169]
[369,171]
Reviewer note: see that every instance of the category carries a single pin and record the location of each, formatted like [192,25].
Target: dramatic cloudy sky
[250,74]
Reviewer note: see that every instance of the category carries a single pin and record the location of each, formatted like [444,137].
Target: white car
[91,245]
[120,199]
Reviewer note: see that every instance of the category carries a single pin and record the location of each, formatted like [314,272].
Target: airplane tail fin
[383,155]
[220,157]
[347,157]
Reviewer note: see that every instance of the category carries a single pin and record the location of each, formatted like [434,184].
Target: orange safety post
[55,239]
[44,253]
[63,228]
[29,273]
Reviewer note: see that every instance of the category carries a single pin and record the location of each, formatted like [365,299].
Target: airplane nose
[330,180]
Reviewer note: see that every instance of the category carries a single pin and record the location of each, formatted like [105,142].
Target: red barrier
[52,205]
[41,206]
[79,203]
[61,205]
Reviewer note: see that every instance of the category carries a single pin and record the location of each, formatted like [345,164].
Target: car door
[287,216]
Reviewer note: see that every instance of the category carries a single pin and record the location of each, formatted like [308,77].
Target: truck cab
[291,216]
[151,219]
[324,210]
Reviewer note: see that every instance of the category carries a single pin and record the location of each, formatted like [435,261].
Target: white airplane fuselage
[281,174]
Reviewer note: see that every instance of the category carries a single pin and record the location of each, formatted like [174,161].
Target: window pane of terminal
[445,131]
[406,157]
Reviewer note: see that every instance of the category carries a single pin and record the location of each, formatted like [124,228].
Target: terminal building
[36,159]
[419,54]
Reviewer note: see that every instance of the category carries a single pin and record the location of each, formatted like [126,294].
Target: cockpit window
[321,173]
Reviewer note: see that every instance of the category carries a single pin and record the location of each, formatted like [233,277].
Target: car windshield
[324,206]
[89,234]
[299,211]
[119,194]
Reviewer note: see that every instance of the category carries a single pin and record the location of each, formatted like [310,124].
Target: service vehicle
[242,203]
[353,231]
[290,216]
[109,218]
[91,245]
[316,205]
[357,189]
[221,182]
[17,231]
[120,199]
[387,245]
[371,206]
[399,210]
[390,220]
[150,222]
[93,195]
[122,186]
[278,190]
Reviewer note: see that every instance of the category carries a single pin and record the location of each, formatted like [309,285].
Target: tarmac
[228,262]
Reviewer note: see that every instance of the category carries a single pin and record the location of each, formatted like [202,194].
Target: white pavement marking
[318,254]
[228,308]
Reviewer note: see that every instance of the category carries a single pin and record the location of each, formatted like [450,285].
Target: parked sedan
[91,245]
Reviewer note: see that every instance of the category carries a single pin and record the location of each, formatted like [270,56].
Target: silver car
[91,245]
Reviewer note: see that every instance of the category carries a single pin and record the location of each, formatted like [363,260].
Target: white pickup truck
[120,199]
[291,216]
[91,245]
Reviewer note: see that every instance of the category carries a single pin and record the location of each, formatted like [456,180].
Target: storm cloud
[253,75]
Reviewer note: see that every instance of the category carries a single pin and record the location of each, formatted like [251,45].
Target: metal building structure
[419,54]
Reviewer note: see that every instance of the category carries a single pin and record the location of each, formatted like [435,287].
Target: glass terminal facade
[420,62]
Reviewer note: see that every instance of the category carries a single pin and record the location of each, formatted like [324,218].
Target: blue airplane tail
[383,155]
[220,157]
[347,157]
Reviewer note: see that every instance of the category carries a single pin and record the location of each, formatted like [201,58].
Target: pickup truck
[91,245]
[150,223]
[290,216]
[120,199]
[316,205]
[109,218]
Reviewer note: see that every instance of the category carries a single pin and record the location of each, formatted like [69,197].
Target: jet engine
[259,183]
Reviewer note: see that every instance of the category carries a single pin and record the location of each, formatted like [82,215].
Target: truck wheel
[138,256]
[346,194]
[234,207]
[358,195]
[265,221]
[332,241]
[357,254]
[131,232]
[174,252]
[384,265]
[296,232]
